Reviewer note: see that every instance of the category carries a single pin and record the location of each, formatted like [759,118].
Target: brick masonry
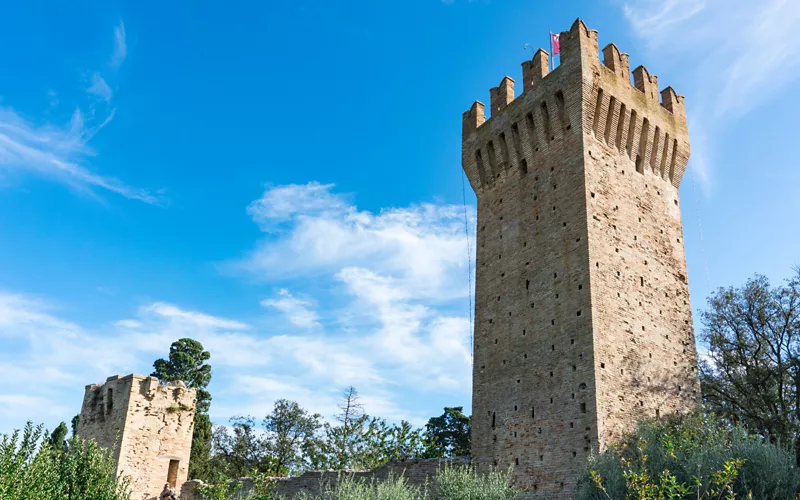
[147,426]
[582,316]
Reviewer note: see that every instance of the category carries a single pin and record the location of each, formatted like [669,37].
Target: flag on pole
[555,43]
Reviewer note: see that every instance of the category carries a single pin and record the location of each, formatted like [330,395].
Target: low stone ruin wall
[419,473]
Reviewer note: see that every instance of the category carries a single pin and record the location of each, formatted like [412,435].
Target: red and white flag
[555,43]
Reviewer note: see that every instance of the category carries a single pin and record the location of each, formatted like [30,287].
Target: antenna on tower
[529,46]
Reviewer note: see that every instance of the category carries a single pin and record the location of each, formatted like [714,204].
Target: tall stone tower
[147,426]
[582,317]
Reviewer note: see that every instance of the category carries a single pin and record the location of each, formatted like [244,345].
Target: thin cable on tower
[469,261]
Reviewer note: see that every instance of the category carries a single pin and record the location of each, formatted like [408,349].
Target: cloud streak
[742,56]
[100,88]
[120,47]
[299,311]
[59,153]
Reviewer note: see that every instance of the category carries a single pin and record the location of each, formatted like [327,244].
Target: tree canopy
[448,435]
[292,440]
[751,372]
[187,362]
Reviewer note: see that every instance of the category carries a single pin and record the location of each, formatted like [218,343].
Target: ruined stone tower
[582,317]
[147,426]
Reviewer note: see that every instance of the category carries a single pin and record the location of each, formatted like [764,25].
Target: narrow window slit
[620,126]
[642,146]
[610,119]
[546,120]
[504,149]
[654,150]
[515,141]
[672,161]
[598,108]
[481,170]
[492,157]
[631,132]
[531,131]
[562,111]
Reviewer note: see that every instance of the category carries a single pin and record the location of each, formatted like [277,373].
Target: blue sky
[281,180]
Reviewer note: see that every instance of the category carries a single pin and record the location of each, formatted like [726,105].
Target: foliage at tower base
[694,457]
[34,466]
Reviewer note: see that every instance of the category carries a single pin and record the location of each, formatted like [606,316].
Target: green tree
[240,450]
[449,434]
[58,438]
[200,458]
[751,373]
[187,362]
[361,441]
[74,424]
[291,436]
[404,442]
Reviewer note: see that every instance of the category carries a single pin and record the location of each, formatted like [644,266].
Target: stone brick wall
[147,425]
[636,150]
[420,473]
[561,362]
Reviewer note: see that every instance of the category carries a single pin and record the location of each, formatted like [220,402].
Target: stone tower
[582,317]
[147,426]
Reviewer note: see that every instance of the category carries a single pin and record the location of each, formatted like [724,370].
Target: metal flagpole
[550,62]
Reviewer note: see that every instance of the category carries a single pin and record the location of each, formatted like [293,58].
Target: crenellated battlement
[616,105]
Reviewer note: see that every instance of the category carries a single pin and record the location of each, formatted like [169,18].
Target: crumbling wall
[148,426]
[419,473]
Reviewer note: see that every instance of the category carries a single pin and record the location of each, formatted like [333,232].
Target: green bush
[394,488]
[33,468]
[692,457]
[463,483]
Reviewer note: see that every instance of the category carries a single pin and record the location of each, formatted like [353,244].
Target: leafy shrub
[692,457]
[232,489]
[463,483]
[225,490]
[34,468]
[394,488]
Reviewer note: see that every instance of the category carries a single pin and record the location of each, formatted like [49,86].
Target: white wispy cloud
[120,46]
[173,313]
[298,311]
[421,247]
[734,57]
[280,204]
[100,88]
[60,153]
